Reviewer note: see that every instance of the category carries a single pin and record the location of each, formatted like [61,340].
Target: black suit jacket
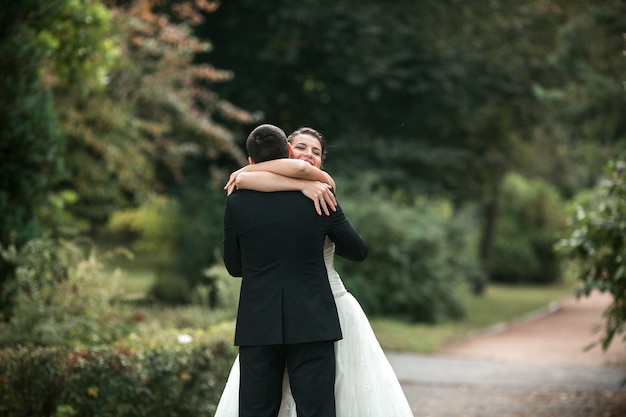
[275,241]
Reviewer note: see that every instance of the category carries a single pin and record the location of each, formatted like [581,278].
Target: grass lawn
[499,304]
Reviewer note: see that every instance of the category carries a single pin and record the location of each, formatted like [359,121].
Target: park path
[534,367]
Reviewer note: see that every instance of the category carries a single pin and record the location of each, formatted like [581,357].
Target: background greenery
[477,146]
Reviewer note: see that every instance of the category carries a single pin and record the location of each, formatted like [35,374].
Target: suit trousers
[311,370]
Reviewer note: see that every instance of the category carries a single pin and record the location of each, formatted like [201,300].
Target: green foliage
[224,289]
[157,128]
[79,47]
[170,288]
[420,94]
[584,102]
[108,160]
[597,245]
[499,304]
[528,227]
[199,238]
[31,381]
[423,91]
[420,256]
[29,139]
[152,227]
[60,297]
[56,42]
[182,237]
[134,379]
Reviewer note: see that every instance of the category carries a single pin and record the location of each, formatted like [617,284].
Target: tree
[434,97]
[587,106]
[104,106]
[156,112]
[167,132]
[43,43]
[584,102]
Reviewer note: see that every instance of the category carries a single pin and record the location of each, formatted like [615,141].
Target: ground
[538,367]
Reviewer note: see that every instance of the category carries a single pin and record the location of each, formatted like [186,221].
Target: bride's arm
[320,192]
[293,168]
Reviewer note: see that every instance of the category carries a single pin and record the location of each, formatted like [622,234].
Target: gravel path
[536,367]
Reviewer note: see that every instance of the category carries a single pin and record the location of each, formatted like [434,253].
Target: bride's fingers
[322,196]
[324,206]
[330,200]
[231,181]
[229,184]
[317,205]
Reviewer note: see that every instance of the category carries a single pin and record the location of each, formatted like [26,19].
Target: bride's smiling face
[307,148]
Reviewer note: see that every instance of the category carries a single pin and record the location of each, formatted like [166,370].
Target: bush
[420,255]
[156,378]
[60,296]
[199,237]
[31,381]
[153,227]
[597,246]
[530,221]
[169,288]
[225,289]
[183,236]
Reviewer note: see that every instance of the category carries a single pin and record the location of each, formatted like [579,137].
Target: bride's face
[307,148]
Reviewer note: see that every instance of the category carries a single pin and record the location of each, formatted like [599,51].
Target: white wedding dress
[365,383]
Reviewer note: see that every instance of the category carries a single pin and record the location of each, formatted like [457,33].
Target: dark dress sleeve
[230,243]
[348,242]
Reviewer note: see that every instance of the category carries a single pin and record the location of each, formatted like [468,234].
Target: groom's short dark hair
[267,142]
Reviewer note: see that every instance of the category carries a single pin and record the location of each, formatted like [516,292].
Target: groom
[287,315]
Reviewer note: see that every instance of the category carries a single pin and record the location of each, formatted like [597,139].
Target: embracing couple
[306,348]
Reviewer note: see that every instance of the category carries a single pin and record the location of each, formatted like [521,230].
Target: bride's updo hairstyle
[311,132]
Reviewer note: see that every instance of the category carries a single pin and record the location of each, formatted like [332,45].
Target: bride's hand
[322,196]
[230,185]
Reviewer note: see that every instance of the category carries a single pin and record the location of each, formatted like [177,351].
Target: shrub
[531,217]
[60,296]
[225,289]
[199,237]
[597,246]
[169,288]
[420,255]
[31,381]
[158,378]
[153,225]
[183,236]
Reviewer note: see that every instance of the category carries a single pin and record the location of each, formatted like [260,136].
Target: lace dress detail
[365,383]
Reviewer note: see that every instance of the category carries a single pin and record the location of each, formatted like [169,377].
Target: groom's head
[267,142]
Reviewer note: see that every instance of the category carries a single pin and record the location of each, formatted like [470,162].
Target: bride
[365,383]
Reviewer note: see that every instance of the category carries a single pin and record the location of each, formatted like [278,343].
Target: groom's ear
[290,150]
[250,161]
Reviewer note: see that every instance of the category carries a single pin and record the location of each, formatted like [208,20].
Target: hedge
[183,377]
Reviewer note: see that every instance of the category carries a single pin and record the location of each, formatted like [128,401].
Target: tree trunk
[492,210]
